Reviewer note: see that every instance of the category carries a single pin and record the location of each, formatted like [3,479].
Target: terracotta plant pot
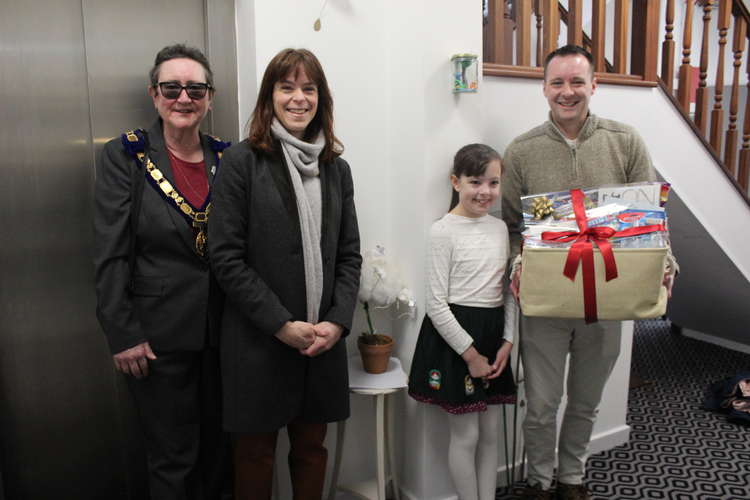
[375,354]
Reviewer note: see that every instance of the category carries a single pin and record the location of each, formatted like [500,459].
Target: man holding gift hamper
[574,149]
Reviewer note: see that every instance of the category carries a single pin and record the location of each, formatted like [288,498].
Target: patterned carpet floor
[677,451]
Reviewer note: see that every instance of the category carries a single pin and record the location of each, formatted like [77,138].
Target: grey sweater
[539,161]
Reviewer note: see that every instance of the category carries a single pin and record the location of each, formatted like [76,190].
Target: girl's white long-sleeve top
[466,264]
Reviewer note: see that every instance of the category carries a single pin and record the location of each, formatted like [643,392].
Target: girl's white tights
[472,453]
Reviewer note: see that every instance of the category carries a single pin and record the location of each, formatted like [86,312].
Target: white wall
[388,64]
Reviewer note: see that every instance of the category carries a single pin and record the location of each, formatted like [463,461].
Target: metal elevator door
[73,74]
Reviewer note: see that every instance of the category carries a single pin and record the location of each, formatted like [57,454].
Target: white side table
[378,386]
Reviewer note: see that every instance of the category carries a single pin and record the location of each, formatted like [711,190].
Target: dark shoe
[534,492]
[572,492]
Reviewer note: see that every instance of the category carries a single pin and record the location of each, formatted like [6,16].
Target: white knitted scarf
[302,162]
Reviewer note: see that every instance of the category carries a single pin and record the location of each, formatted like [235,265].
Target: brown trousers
[254,458]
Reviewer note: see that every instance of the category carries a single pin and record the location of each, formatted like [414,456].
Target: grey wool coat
[256,253]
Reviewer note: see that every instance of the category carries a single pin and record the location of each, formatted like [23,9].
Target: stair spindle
[509,26]
[523,32]
[495,11]
[598,21]
[744,167]
[622,11]
[701,95]
[683,88]
[551,25]
[539,16]
[668,49]
[575,22]
[644,42]
[738,47]
[717,114]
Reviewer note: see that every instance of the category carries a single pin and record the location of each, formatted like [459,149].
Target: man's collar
[586,130]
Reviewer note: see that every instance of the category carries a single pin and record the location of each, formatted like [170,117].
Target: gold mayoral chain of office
[198,218]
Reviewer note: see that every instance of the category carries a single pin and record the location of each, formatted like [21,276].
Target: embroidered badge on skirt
[468,385]
[434,379]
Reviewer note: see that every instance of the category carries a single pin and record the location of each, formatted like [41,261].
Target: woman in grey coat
[284,245]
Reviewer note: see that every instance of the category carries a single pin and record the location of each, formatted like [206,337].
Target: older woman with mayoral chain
[285,248]
[158,303]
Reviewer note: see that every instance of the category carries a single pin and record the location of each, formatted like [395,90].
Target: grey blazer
[256,253]
[170,300]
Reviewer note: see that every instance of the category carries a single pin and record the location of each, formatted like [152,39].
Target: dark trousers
[180,411]
[254,458]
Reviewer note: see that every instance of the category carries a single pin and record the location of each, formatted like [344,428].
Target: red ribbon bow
[582,250]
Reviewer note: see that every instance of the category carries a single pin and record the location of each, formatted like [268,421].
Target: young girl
[461,361]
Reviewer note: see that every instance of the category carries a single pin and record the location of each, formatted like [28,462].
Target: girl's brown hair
[472,160]
[285,63]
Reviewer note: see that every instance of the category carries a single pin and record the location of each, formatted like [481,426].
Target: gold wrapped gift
[637,292]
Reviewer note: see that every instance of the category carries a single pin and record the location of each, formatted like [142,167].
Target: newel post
[645,39]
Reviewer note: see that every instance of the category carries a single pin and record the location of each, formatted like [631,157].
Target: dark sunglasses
[172,90]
